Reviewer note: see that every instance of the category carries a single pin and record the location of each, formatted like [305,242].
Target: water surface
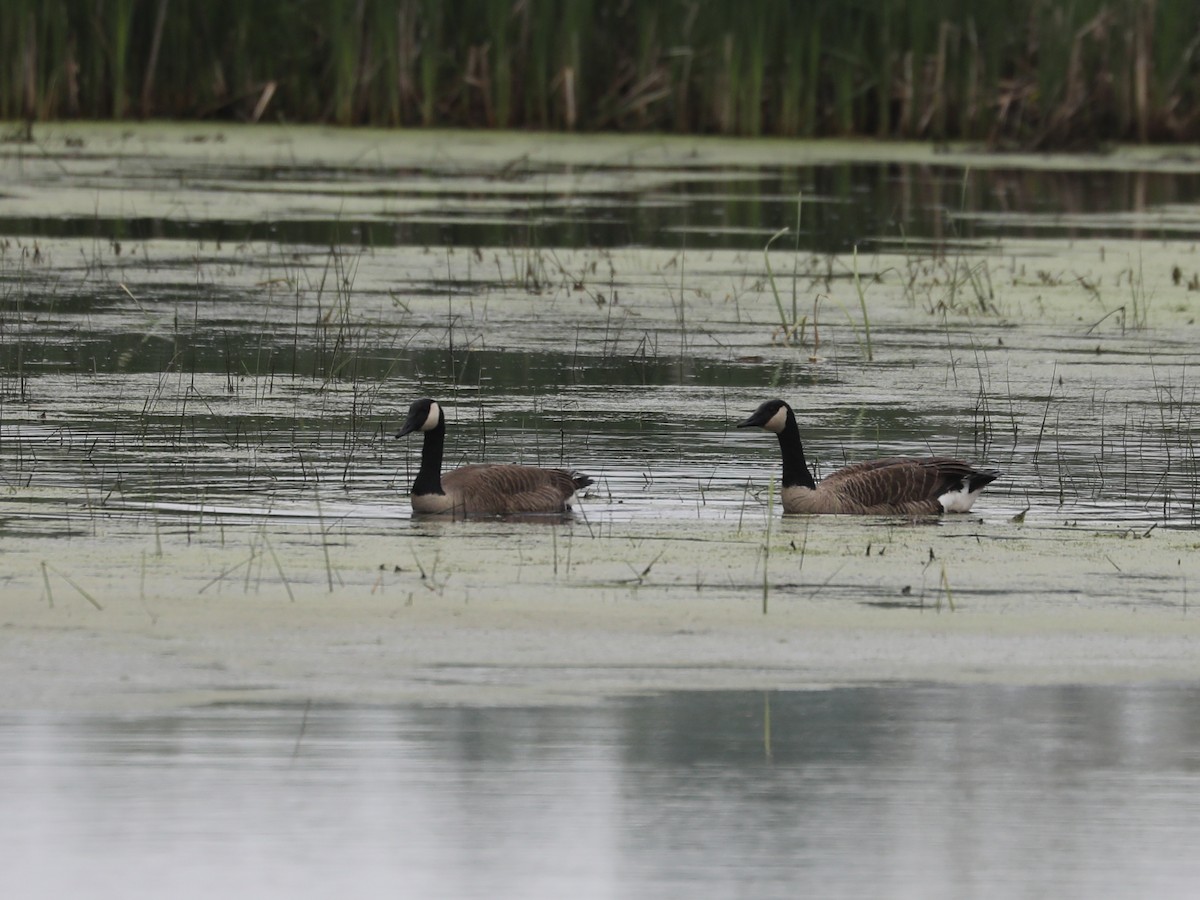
[235,664]
[235,318]
[904,791]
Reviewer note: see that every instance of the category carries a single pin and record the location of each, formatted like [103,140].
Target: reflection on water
[905,791]
[846,205]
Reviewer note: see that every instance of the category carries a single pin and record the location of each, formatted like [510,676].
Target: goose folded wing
[896,482]
[511,488]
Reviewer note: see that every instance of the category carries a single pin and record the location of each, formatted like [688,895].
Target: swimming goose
[894,486]
[482,489]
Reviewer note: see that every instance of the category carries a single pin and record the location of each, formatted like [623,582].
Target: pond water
[237,317]
[235,663]
[907,791]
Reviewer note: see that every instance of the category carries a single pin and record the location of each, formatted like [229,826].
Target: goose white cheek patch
[776,422]
[435,413]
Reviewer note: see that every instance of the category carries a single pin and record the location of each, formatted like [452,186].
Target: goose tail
[963,498]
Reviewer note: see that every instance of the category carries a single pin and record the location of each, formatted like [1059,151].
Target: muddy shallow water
[209,335]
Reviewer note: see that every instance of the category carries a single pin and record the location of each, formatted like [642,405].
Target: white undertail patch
[959,501]
[435,416]
[776,423]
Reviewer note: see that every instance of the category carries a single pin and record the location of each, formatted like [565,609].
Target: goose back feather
[891,486]
[481,489]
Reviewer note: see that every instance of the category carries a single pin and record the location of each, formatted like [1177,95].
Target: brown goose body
[894,486]
[481,489]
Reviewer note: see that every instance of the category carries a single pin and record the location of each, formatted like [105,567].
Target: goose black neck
[795,469]
[429,477]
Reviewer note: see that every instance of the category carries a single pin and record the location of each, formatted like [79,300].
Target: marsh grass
[768,751]
[278,565]
[766,585]
[14,377]
[46,585]
[790,328]
[84,593]
[949,595]
[1139,301]
[1076,74]
[862,303]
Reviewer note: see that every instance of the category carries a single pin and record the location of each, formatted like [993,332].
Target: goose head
[423,415]
[773,416]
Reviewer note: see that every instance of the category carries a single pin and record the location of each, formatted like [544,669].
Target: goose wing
[910,486]
[501,489]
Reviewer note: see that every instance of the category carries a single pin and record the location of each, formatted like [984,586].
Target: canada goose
[481,490]
[894,486]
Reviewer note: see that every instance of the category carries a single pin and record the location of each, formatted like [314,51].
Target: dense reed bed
[1033,73]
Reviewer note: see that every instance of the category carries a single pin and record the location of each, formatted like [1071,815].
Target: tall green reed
[1069,74]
